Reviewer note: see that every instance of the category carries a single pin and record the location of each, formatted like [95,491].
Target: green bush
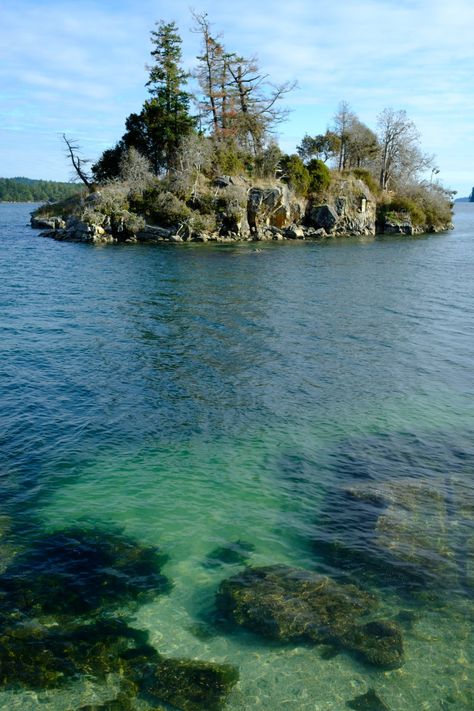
[163,208]
[401,208]
[132,222]
[227,160]
[319,175]
[202,223]
[205,203]
[295,174]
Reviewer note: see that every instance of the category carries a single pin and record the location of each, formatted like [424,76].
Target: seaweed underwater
[58,612]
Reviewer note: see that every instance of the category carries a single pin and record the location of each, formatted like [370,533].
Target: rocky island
[205,166]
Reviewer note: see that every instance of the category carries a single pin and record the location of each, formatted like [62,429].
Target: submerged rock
[230,553]
[411,532]
[286,603]
[189,685]
[289,604]
[37,657]
[378,642]
[370,701]
[78,571]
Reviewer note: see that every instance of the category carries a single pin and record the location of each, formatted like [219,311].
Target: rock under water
[290,604]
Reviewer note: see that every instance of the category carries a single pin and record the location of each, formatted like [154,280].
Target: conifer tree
[166,115]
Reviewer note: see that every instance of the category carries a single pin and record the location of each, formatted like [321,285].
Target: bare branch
[78,162]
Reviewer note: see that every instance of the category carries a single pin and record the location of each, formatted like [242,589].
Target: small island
[207,167]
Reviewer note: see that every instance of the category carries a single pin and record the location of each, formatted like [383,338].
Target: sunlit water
[197,395]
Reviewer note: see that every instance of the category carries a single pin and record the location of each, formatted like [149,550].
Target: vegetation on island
[187,161]
[27,190]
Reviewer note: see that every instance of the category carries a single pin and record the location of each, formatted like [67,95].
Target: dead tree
[78,163]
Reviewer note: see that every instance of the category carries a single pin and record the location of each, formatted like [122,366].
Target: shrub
[401,208]
[205,203]
[227,160]
[163,208]
[436,204]
[295,174]
[320,176]
[202,223]
[135,170]
[132,222]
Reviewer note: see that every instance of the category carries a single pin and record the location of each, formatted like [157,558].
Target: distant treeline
[27,190]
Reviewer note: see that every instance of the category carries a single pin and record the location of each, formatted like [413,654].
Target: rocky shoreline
[241,212]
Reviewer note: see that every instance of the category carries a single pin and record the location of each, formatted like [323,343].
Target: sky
[80,69]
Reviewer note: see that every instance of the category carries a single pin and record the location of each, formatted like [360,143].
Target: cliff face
[471,197]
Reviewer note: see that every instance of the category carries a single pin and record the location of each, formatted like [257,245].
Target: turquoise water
[197,395]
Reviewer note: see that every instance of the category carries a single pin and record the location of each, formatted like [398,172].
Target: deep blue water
[195,395]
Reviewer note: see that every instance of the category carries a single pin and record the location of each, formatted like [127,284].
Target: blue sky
[79,68]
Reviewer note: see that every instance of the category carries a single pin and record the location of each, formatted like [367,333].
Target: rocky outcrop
[273,207]
[47,223]
[225,209]
[350,209]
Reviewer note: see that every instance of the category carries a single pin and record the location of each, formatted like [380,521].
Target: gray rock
[323,216]
[156,231]
[52,223]
[398,228]
[294,232]
[223,181]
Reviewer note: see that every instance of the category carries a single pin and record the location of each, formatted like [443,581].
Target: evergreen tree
[165,118]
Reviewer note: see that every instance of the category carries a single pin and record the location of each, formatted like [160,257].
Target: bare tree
[209,74]
[78,163]
[400,154]
[239,100]
[135,169]
[343,121]
[361,145]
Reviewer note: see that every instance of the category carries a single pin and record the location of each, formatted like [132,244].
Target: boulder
[47,223]
[154,233]
[287,603]
[407,532]
[323,217]
[233,553]
[294,232]
[187,684]
[370,701]
[349,210]
[77,571]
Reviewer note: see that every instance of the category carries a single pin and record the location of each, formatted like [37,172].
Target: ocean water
[194,396]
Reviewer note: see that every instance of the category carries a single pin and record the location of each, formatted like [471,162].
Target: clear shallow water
[198,395]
